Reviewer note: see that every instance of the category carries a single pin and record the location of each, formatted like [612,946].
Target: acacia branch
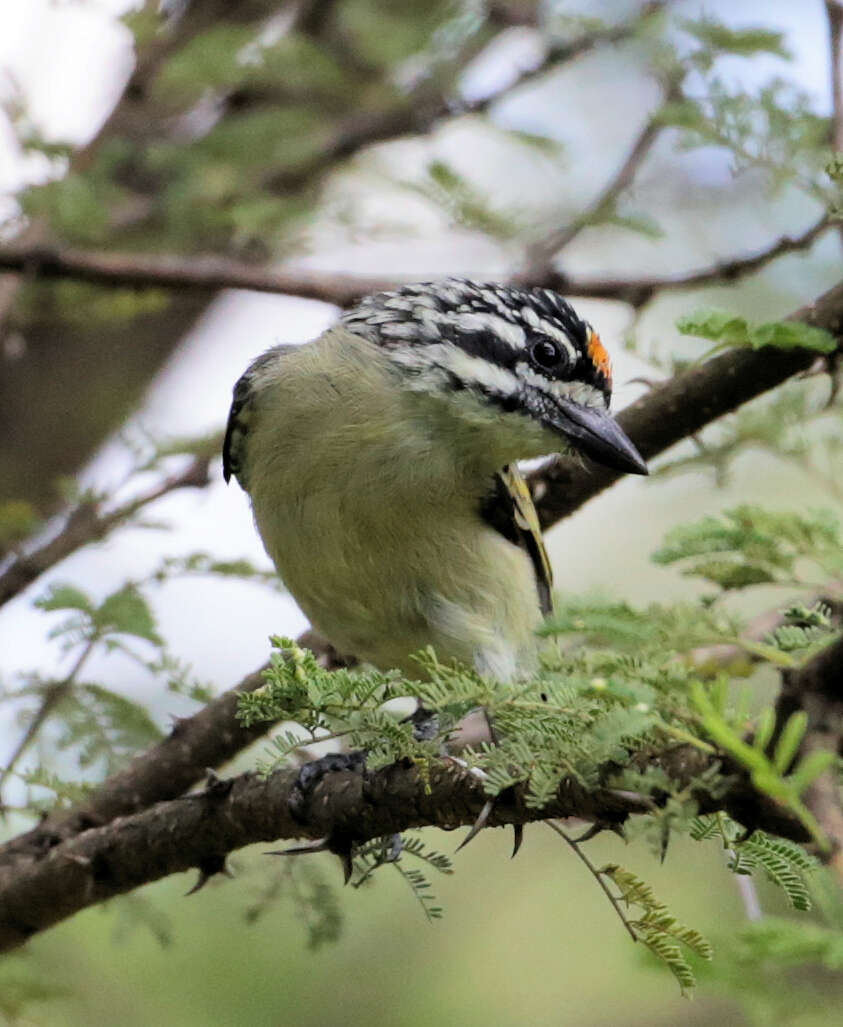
[199,830]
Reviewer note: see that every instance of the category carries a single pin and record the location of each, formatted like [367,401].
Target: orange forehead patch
[599,356]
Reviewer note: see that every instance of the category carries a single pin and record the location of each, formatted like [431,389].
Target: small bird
[381,464]
[380,460]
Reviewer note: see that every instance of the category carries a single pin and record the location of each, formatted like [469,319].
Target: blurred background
[594,145]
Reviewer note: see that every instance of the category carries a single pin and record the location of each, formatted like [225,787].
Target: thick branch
[199,830]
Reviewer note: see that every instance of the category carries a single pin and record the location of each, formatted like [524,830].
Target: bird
[381,463]
[381,460]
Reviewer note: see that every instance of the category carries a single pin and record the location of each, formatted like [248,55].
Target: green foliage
[750,545]
[463,203]
[782,969]
[797,424]
[64,793]
[716,37]
[311,895]
[382,852]
[770,775]
[101,725]
[775,131]
[122,613]
[657,928]
[74,206]
[384,32]
[781,944]
[730,330]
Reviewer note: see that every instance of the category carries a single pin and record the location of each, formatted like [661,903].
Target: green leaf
[727,328]
[810,768]
[791,335]
[765,728]
[789,741]
[743,42]
[65,597]
[126,612]
[717,325]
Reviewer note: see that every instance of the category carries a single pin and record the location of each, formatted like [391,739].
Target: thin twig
[639,291]
[53,695]
[541,253]
[85,524]
[597,876]
[209,273]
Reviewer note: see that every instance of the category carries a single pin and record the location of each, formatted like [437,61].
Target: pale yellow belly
[382,593]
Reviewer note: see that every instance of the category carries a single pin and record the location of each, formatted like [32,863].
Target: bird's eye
[549,356]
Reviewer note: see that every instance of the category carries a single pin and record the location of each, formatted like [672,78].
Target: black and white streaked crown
[510,329]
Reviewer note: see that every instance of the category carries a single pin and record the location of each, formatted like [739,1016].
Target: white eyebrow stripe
[502,329]
[469,369]
[558,335]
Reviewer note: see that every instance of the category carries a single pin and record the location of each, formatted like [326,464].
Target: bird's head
[519,359]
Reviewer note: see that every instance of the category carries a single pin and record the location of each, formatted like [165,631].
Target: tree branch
[210,273]
[639,291]
[199,830]
[87,523]
[817,688]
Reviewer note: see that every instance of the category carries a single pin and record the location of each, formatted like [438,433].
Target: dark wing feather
[240,414]
[509,510]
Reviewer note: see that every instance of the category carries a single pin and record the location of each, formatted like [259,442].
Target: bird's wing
[247,387]
[509,509]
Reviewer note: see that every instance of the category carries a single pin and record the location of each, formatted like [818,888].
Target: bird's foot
[301,795]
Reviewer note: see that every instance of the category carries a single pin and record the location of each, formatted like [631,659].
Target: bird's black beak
[598,435]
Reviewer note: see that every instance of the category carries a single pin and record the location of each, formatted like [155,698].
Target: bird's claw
[298,804]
